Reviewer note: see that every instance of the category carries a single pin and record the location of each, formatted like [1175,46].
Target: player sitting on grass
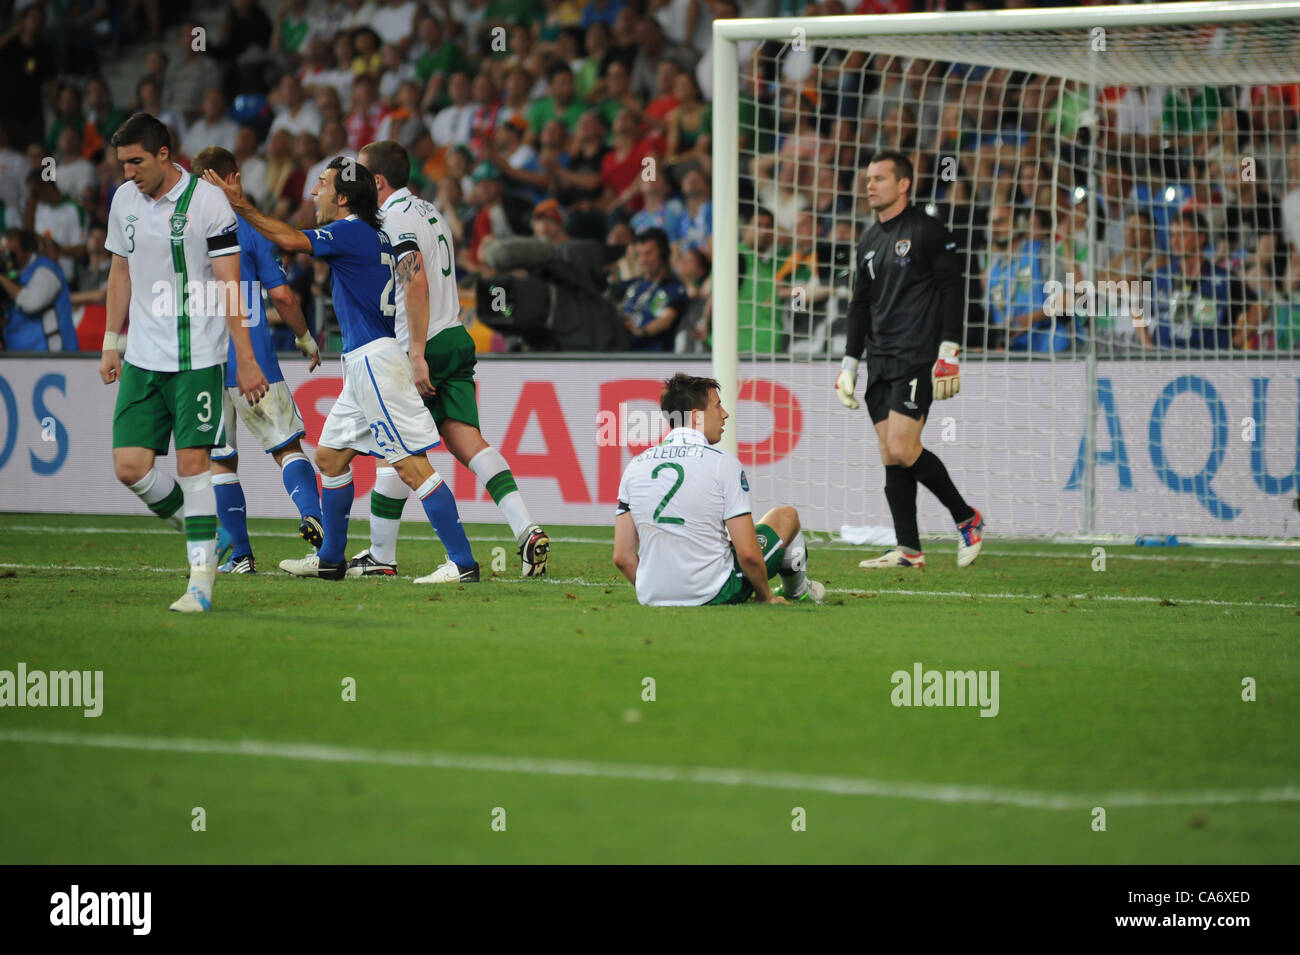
[679,500]
[275,420]
[379,411]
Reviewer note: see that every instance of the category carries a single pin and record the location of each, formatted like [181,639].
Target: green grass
[1127,681]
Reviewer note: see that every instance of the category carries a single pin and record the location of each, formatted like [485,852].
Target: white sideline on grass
[758,779]
[1181,557]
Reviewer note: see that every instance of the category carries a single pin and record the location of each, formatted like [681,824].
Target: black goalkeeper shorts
[897,385]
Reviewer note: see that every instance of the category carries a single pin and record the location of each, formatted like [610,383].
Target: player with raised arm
[175,273]
[379,411]
[678,502]
[275,420]
[442,361]
[907,308]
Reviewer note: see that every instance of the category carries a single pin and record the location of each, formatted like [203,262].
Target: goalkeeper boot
[366,565]
[239,565]
[451,573]
[969,540]
[894,559]
[310,530]
[533,553]
[313,566]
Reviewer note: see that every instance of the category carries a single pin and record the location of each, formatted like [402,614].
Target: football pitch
[555,720]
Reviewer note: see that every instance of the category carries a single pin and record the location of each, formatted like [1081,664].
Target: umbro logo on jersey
[902,246]
[130,218]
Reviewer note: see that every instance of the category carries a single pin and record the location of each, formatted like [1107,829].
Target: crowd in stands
[591,122]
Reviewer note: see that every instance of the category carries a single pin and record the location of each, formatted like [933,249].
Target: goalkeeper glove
[846,381]
[945,379]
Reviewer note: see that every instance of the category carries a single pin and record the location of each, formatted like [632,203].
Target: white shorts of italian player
[274,421]
[379,411]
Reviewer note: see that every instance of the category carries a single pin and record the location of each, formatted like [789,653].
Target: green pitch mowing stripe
[839,786]
[891,592]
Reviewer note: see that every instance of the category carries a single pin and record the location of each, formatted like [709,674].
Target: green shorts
[450,357]
[151,405]
[737,589]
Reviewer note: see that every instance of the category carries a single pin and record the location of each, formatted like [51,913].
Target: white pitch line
[757,779]
[1181,558]
[581,582]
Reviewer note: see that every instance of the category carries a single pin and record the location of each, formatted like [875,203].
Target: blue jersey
[362,279]
[259,271]
[1197,312]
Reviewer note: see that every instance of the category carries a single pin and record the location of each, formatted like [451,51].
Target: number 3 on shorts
[206,397]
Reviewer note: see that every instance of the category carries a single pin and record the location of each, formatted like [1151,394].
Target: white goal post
[1130,172]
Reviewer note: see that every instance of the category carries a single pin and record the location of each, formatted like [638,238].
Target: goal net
[1123,184]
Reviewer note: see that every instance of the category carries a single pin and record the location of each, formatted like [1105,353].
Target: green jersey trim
[181,268]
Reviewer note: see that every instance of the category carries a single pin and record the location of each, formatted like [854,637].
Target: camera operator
[38,316]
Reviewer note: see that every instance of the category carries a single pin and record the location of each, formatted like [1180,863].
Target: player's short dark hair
[355,183]
[148,132]
[217,158]
[556,68]
[390,160]
[683,394]
[902,165]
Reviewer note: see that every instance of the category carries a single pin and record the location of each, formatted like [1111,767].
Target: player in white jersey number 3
[679,500]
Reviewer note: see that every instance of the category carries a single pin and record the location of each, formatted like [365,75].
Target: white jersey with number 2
[680,493]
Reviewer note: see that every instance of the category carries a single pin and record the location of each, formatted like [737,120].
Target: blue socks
[336,505]
[300,481]
[232,511]
[440,507]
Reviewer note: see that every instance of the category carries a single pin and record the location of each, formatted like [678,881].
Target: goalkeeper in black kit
[907,309]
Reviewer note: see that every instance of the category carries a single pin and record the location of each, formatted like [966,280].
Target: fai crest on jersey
[744,483]
[178,221]
[902,247]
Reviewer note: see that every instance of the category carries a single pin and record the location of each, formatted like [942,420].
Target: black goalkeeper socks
[929,470]
[900,491]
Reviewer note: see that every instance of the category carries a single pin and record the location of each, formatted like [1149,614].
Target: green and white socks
[490,467]
[162,496]
[386,503]
[389,498]
[200,513]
